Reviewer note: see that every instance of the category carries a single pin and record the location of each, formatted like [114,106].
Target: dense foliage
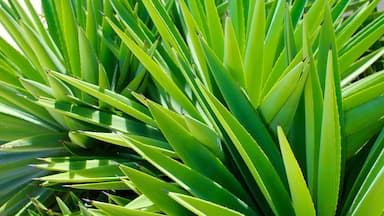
[184,107]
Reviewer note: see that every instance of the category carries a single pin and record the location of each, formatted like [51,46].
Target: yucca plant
[192,107]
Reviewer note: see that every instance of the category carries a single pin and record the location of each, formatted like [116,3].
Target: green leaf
[297,10]
[215,30]
[16,180]
[142,202]
[194,44]
[326,43]
[36,20]
[194,154]
[237,17]
[156,190]
[52,21]
[289,37]
[104,81]
[354,22]
[373,113]
[71,163]
[242,109]
[96,174]
[60,91]
[280,92]
[16,32]
[35,88]
[357,141]
[63,207]
[18,201]
[92,24]
[70,33]
[359,67]
[314,16]
[21,61]
[47,58]
[364,83]
[35,143]
[206,136]
[158,74]
[198,12]
[280,69]
[111,185]
[313,104]
[99,118]
[339,9]
[371,161]
[202,207]
[363,96]
[12,128]
[88,60]
[18,97]
[19,114]
[272,37]
[254,55]
[330,148]
[121,201]
[192,181]
[361,42]
[119,210]
[90,212]
[157,144]
[256,160]
[8,75]
[301,198]
[371,188]
[165,25]
[232,55]
[286,116]
[118,101]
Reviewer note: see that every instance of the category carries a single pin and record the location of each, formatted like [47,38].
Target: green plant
[192,107]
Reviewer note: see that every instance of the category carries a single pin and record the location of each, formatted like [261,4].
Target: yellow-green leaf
[301,198]
[329,164]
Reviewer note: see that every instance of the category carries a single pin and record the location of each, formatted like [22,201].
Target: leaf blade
[329,169]
[301,198]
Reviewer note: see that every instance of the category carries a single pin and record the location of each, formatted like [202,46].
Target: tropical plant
[183,107]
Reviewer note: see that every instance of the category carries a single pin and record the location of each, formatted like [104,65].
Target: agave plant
[192,107]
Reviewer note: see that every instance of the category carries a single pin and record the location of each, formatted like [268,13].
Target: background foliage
[184,107]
